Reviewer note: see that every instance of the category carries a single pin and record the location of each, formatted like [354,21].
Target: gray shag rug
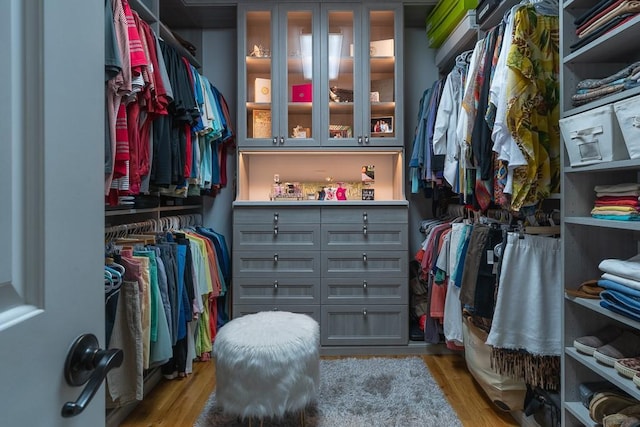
[358,392]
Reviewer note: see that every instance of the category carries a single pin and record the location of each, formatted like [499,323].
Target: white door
[51,208]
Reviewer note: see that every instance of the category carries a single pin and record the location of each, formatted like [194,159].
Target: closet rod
[153,225]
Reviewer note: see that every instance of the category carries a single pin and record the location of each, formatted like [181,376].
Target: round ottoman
[267,364]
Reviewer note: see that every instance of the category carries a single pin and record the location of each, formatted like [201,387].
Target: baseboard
[116,416]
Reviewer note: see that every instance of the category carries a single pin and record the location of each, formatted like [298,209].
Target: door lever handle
[86,361]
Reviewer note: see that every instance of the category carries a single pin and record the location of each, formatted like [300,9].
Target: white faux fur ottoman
[267,364]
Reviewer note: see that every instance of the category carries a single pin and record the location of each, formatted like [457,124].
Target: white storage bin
[593,137]
[628,115]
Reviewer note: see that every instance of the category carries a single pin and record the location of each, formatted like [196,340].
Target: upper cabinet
[317,74]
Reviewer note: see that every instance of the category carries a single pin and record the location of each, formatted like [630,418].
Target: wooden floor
[179,402]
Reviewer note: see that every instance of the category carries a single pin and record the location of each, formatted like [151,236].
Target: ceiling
[177,14]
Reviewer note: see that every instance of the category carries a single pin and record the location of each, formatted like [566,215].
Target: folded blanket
[611,199]
[623,217]
[604,17]
[614,23]
[618,308]
[612,210]
[617,188]
[600,6]
[629,269]
[618,193]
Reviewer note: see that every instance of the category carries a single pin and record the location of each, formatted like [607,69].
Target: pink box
[301,93]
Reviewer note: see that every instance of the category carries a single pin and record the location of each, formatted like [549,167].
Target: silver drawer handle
[282,140]
[275,309]
[275,258]
[364,312]
[275,140]
[360,140]
[364,230]
[275,230]
[275,284]
[275,217]
[366,139]
[365,217]
[364,284]
[364,257]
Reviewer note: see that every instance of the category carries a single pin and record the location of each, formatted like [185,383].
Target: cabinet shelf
[606,372]
[497,14]
[581,413]
[603,223]
[121,212]
[618,165]
[594,305]
[462,38]
[257,65]
[618,43]
[382,64]
[602,101]
[143,10]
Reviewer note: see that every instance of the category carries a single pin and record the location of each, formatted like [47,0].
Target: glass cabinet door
[302,45]
[259,73]
[383,73]
[340,71]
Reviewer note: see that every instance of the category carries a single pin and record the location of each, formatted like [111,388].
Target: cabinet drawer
[310,310]
[364,325]
[276,215]
[281,236]
[364,215]
[262,263]
[286,290]
[361,264]
[378,236]
[371,290]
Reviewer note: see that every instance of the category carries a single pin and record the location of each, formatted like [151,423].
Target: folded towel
[610,285]
[620,303]
[630,283]
[629,268]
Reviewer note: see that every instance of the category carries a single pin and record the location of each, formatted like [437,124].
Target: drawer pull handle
[364,229]
[366,139]
[282,140]
[275,284]
[275,140]
[365,217]
[275,230]
[359,139]
[275,258]
[275,309]
[364,312]
[364,284]
[275,217]
[364,257]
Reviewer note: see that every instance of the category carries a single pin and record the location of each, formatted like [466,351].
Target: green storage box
[444,17]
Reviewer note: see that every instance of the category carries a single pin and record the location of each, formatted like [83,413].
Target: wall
[419,74]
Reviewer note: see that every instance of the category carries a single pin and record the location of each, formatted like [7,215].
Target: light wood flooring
[179,402]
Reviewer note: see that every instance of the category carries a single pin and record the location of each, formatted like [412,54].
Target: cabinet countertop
[267,203]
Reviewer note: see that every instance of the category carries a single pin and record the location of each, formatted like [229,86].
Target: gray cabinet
[354,280]
[364,276]
[587,241]
[319,74]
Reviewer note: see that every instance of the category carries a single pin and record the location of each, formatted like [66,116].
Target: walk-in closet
[412,212]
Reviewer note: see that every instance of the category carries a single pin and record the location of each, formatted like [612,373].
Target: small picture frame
[368,194]
[382,126]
